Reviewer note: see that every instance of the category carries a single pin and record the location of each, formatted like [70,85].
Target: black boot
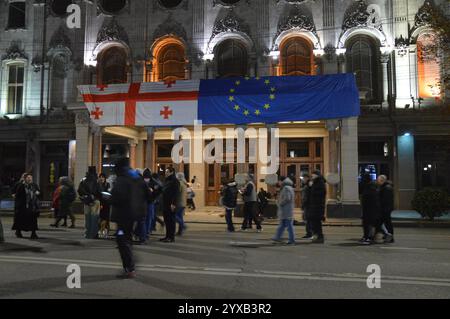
[19,234]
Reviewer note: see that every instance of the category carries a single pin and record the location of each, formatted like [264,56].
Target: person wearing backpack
[229,200]
[129,205]
[67,196]
[90,194]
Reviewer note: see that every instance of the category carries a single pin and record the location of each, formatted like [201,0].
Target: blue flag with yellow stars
[275,99]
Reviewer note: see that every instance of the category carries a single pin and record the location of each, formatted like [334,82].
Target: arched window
[296,57]
[113,66]
[428,66]
[231,59]
[361,57]
[171,62]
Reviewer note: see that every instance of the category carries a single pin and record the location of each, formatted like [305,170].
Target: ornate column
[385,58]
[97,155]
[133,144]
[149,160]
[333,158]
[83,145]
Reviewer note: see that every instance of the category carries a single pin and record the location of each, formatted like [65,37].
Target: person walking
[263,201]
[157,201]
[316,206]
[55,204]
[250,202]
[371,211]
[386,192]
[170,198]
[285,211]
[64,201]
[181,204]
[153,188]
[105,207]
[129,200]
[190,197]
[305,191]
[229,201]
[90,195]
[26,207]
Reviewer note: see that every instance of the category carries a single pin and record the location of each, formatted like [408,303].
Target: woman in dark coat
[316,205]
[370,205]
[26,210]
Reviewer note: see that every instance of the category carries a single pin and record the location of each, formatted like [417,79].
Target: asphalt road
[207,262]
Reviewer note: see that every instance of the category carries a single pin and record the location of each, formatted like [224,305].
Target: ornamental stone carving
[424,15]
[60,39]
[112,31]
[231,23]
[14,52]
[170,26]
[359,15]
[296,20]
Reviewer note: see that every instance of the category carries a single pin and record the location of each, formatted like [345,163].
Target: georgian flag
[172,103]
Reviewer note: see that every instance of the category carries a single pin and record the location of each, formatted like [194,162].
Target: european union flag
[278,99]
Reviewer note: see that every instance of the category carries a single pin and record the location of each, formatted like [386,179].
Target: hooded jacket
[286,200]
[229,195]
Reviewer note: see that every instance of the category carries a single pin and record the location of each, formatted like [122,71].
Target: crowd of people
[133,199]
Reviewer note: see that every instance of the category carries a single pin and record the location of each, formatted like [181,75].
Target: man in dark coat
[229,201]
[129,204]
[370,205]
[26,210]
[67,196]
[305,197]
[170,197]
[316,205]
[90,194]
[386,192]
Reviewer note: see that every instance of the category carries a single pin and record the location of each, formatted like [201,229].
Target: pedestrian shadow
[62,242]
[11,247]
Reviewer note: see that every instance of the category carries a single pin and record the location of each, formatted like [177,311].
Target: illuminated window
[16,17]
[231,59]
[15,89]
[171,63]
[361,59]
[296,57]
[428,66]
[113,66]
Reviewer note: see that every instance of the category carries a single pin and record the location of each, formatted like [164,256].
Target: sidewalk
[213,215]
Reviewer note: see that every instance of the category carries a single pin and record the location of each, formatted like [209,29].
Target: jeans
[289,224]
[229,219]
[124,243]
[91,215]
[149,219]
[180,219]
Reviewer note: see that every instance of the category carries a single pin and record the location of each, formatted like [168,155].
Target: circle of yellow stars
[234,90]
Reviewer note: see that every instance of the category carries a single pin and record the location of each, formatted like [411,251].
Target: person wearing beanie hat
[90,194]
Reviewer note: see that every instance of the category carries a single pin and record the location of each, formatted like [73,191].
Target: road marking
[404,248]
[359,278]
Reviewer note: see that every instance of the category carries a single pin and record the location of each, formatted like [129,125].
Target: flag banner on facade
[224,101]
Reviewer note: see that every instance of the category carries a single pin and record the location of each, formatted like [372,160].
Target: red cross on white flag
[143,104]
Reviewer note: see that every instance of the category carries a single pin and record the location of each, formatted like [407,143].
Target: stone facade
[392,104]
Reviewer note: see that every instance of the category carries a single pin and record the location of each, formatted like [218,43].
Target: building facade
[388,44]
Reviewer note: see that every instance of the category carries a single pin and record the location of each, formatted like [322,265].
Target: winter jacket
[370,202]
[170,193]
[286,200]
[89,190]
[55,197]
[305,191]
[386,193]
[66,198]
[249,194]
[129,199]
[182,199]
[229,195]
[316,199]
